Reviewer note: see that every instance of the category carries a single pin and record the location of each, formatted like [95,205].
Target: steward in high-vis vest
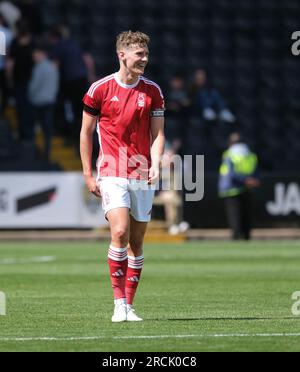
[238,175]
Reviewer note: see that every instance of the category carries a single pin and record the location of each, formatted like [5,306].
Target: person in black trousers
[238,176]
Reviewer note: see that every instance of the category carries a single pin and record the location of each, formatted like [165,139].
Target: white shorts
[133,194]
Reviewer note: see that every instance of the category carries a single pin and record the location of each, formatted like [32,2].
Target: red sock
[117,261]
[134,270]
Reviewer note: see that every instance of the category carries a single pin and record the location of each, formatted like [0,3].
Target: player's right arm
[86,149]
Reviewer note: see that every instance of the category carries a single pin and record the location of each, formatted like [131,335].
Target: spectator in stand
[178,105]
[19,69]
[43,90]
[3,79]
[208,100]
[171,198]
[90,66]
[11,14]
[69,57]
[31,12]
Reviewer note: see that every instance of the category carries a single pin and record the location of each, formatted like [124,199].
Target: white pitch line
[14,261]
[96,338]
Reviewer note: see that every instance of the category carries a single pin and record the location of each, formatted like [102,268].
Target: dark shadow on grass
[228,318]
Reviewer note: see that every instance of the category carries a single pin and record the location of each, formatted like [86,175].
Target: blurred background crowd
[224,66]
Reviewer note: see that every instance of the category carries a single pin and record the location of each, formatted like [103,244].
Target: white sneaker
[173,230]
[184,226]
[209,114]
[131,315]
[120,313]
[227,116]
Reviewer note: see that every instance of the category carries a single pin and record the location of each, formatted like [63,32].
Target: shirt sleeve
[92,103]
[158,103]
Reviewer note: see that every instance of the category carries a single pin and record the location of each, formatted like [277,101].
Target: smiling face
[134,59]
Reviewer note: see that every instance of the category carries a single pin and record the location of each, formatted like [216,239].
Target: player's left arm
[157,147]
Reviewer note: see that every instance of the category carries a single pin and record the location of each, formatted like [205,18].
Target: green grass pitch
[199,296]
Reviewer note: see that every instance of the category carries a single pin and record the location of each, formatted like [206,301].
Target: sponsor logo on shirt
[114,99]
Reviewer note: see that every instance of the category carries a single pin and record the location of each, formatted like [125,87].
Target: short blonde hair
[128,38]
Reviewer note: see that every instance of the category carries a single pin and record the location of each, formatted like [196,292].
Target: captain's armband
[157,113]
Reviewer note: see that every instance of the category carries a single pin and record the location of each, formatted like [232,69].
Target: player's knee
[120,234]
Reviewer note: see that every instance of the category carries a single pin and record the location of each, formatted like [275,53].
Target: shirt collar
[126,86]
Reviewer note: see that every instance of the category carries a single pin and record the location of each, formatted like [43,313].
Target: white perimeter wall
[69,206]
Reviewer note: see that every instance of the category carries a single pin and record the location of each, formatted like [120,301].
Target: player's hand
[92,186]
[153,176]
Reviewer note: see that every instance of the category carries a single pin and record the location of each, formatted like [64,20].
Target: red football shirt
[124,113]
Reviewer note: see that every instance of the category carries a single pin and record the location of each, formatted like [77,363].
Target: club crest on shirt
[141,100]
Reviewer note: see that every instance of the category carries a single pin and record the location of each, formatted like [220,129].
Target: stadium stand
[245,46]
